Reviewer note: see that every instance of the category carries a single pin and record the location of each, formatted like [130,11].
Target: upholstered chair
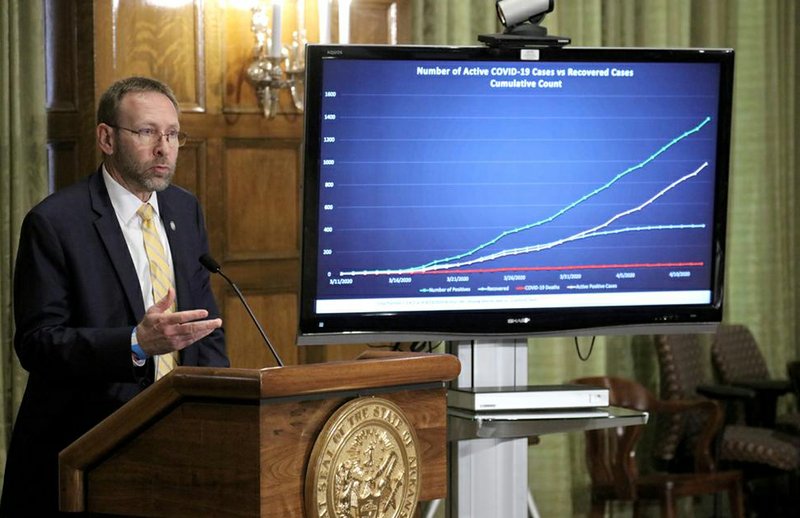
[738,361]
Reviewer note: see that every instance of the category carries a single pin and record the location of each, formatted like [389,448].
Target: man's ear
[105,138]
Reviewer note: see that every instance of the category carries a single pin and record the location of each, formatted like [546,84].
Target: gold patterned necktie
[160,277]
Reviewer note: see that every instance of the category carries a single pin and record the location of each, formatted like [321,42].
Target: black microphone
[214,267]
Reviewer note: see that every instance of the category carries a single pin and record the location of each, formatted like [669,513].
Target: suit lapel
[108,228]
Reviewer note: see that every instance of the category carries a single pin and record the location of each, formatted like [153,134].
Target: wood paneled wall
[244,168]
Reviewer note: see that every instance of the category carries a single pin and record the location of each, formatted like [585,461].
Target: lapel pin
[172,225]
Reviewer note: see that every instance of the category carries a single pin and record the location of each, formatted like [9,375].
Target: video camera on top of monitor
[521,18]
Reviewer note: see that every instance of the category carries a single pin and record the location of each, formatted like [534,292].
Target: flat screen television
[475,192]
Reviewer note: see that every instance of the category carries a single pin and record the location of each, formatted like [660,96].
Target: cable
[578,349]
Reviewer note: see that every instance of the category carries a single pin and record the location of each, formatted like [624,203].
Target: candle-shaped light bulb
[301,16]
[344,21]
[276,28]
[324,9]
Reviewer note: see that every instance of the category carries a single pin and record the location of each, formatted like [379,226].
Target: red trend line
[551,268]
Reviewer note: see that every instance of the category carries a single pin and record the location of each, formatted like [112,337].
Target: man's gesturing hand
[161,332]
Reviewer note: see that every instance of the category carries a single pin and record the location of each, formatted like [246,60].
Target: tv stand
[488,476]
[488,450]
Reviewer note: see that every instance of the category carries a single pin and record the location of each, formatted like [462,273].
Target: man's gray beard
[155,184]
[150,183]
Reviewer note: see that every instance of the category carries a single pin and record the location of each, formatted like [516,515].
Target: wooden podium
[237,442]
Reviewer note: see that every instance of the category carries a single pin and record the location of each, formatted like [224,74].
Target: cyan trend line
[572,205]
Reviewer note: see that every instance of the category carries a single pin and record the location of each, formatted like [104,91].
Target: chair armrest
[763,409]
[703,458]
[725,392]
[674,406]
[770,388]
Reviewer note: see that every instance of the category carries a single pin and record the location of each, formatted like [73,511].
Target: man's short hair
[108,108]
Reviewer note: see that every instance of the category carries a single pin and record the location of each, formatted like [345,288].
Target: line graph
[457,262]
[592,187]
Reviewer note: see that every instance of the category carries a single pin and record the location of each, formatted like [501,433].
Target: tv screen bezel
[513,323]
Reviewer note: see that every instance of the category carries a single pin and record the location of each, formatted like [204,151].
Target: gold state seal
[364,464]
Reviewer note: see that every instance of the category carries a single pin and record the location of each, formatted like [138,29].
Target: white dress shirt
[125,206]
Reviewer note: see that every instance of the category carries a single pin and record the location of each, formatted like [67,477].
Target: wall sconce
[274,67]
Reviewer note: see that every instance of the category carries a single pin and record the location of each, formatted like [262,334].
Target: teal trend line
[572,205]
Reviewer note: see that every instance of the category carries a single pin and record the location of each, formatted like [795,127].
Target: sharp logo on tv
[518,320]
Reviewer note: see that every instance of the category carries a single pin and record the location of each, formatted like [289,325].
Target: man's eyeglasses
[151,137]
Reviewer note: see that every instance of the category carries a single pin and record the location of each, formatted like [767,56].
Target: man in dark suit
[91,323]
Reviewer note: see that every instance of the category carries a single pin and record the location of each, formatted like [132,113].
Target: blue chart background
[430,167]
